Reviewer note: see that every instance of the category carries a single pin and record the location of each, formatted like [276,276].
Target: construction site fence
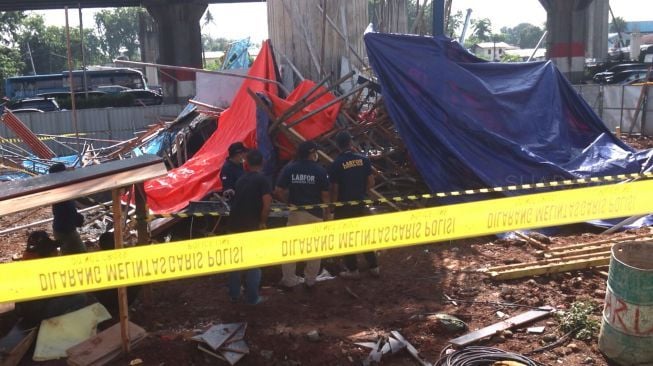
[617,104]
[99,126]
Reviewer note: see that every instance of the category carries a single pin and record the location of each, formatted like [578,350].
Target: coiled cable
[481,356]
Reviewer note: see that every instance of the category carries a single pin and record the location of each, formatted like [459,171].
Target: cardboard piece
[59,333]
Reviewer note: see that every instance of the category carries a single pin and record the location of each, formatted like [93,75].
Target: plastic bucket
[627,328]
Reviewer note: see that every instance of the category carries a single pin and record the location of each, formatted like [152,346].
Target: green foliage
[618,24]
[482,29]
[214,65]
[524,35]
[215,44]
[510,58]
[49,49]
[580,320]
[10,25]
[119,30]
[10,64]
[455,24]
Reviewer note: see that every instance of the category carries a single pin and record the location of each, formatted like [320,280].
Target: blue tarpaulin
[468,123]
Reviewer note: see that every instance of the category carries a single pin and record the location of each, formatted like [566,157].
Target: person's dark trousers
[350,260]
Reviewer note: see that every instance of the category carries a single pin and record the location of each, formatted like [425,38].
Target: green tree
[118,29]
[454,24]
[215,44]
[618,24]
[10,25]
[524,35]
[49,49]
[482,29]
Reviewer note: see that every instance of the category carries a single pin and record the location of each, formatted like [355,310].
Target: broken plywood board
[217,335]
[15,344]
[59,333]
[520,319]
[103,347]
[237,347]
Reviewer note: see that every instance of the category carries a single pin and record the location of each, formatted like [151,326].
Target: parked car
[602,77]
[112,89]
[626,76]
[144,96]
[39,104]
[26,110]
[78,95]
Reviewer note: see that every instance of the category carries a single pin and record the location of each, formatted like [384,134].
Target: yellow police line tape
[15,140]
[39,278]
[416,197]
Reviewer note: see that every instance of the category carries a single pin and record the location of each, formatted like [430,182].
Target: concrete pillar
[148,35]
[597,32]
[180,44]
[567,26]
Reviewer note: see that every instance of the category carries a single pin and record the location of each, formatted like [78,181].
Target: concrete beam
[13,5]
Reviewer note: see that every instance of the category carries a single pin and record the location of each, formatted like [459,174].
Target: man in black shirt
[249,211]
[351,178]
[65,222]
[232,169]
[303,182]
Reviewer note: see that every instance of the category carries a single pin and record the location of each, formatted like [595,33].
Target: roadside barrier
[33,279]
[416,197]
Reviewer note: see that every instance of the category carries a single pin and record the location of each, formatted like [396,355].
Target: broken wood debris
[563,259]
[224,341]
[103,347]
[15,344]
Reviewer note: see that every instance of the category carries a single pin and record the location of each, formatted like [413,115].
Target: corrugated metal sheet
[117,124]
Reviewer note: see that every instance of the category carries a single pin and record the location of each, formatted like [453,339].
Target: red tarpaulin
[201,174]
[311,127]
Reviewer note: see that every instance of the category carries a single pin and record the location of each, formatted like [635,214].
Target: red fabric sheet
[201,174]
[311,127]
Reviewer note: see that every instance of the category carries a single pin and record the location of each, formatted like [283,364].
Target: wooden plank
[50,181]
[103,347]
[123,307]
[545,262]
[577,252]
[551,268]
[518,320]
[80,189]
[15,344]
[143,235]
[598,242]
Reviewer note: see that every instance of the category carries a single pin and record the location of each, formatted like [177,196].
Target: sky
[235,21]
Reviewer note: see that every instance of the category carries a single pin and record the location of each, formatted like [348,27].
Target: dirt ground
[412,285]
